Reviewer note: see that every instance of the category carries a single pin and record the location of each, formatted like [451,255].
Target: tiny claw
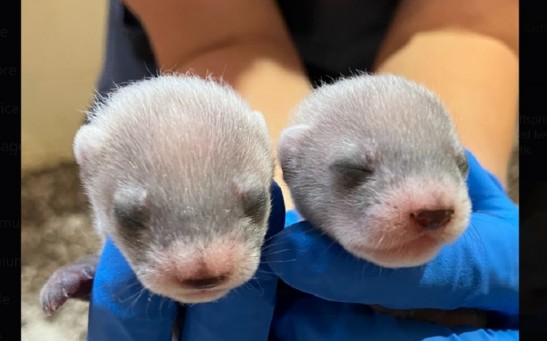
[71,281]
[87,274]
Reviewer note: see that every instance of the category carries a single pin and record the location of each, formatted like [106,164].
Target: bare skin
[247,44]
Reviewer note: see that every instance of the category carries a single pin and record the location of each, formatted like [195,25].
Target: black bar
[533,171]
[10,166]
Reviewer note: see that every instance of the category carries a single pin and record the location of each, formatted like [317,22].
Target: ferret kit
[177,170]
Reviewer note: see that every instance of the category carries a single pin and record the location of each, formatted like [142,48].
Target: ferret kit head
[374,161]
[177,170]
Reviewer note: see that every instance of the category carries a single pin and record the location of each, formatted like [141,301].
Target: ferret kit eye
[130,208]
[128,219]
[350,172]
[255,201]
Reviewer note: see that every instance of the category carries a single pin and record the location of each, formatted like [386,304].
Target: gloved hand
[122,310]
[480,270]
[302,317]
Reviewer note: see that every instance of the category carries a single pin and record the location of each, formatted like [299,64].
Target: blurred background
[62,43]
[62,51]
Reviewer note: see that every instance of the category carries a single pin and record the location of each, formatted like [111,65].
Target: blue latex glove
[306,317]
[122,310]
[480,270]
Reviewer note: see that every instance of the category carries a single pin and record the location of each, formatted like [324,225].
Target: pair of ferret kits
[177,170]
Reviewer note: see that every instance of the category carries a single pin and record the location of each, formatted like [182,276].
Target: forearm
[477,79]
[467,52]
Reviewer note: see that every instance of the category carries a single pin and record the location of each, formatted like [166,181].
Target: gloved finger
[310,318]
[121,309]
[486,192]
[246,312]
[479,270]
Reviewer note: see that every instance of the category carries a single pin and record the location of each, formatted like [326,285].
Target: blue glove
[480,271]
[305,317]
[122,310]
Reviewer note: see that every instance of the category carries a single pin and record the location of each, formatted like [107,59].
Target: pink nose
[432,219]
[204,282]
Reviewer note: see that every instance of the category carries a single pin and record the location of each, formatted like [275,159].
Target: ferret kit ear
[262,120]
[289,142]
[87,142]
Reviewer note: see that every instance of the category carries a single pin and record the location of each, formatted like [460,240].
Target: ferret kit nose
[432,219]
[204,282]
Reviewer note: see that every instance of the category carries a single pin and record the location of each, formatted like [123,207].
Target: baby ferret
[177,170]
[375,162]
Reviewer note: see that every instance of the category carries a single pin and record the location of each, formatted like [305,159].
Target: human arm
[466,52]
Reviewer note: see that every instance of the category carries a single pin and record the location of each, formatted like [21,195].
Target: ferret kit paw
[71,281]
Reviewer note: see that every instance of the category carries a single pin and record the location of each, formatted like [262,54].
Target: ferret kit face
[177,171]
[374,161]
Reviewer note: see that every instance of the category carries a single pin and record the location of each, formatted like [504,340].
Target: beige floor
[56,230]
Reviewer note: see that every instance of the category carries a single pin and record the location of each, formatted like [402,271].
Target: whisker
[276,252]
[281,261]
[274,245]
[262,271]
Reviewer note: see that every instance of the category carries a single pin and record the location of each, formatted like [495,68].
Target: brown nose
[432,219]
[204,282]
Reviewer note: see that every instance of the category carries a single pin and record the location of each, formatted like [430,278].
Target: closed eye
[350,173]
[129,217]
[351,166]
